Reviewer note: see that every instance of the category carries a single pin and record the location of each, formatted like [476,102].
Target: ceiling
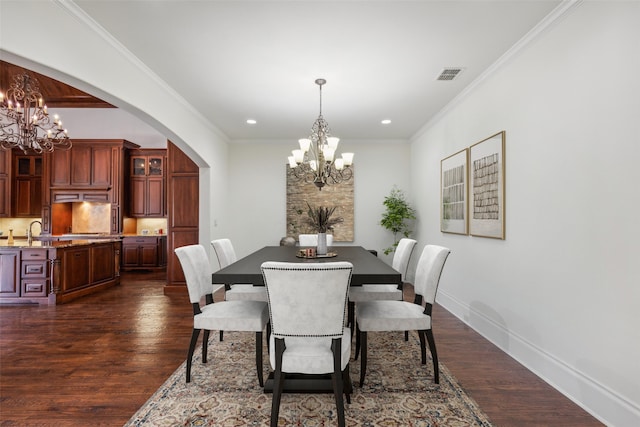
[239,60]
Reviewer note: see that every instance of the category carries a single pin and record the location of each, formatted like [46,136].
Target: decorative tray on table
[302,253]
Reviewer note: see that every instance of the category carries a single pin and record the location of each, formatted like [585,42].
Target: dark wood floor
[96,360]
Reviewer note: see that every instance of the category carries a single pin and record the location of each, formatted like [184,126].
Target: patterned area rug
[398,391]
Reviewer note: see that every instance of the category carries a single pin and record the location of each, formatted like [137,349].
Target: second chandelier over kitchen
[315,160]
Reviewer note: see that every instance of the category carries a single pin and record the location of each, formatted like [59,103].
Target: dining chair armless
[307,305]
[244,316]
[373,316]
[400,263]
[226,255]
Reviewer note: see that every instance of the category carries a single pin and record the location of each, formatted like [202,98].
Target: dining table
[367,269]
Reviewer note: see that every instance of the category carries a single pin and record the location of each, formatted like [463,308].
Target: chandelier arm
[25,122]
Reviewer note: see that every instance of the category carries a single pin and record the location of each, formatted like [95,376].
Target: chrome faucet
[30,233]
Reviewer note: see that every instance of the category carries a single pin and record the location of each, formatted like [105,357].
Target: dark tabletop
[367,268]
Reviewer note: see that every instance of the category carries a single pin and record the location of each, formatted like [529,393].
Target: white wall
[561,293]
[257,191]
[110,123]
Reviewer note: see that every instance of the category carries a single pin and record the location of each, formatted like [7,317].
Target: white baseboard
[595,398]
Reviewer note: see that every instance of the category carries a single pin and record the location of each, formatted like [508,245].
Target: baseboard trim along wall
[598,400]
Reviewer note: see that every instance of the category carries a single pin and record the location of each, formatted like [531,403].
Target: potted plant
[396,217]
[322,220]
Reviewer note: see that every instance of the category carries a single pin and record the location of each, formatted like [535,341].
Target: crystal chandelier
[25,122]
[314,161]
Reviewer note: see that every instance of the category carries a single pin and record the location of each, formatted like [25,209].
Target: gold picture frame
[454,178]
[487,187]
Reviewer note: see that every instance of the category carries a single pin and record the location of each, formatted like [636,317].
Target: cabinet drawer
[34,288]
[140,240]
[34,254]
[34,269]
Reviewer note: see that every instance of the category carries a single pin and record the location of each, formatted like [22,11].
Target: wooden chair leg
[434,355]
[406,335]
[259,358]
[423,348]
[205,345]
[346,381]
[268,336]
[351,314]
[357,342]
[278,383]
[336,379]
[192,347]
[221,335]
[363,360]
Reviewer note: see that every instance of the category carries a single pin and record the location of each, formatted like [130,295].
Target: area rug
[398,391]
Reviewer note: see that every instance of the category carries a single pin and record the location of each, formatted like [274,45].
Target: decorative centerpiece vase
[322,244]
[322,220]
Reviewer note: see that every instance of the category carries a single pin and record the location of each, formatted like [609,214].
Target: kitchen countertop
[44,244]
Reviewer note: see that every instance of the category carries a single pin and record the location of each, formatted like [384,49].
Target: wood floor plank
[96,360]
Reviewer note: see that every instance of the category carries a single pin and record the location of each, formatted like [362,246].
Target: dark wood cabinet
[144,252]
[147,184]
[27,190]
[75,268]
[91,171]
[5,183]
[84,165]
[183,220]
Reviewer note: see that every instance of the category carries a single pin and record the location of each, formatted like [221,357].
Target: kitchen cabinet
[27,191]
[144,252]
[5,183]
[75,268]
[93,170]
[55,272]
[10,273]
[147,184]
[84,165]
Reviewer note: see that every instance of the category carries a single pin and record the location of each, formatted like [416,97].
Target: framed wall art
[453,193]
[486,187]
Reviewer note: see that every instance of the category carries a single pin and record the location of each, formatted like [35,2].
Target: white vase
[322,244]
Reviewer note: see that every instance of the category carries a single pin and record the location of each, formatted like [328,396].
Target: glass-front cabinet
[147,187]
[147,165]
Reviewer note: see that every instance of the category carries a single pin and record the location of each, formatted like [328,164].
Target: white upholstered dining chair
[311,240]
[245,316]
[307,303]
[227,255]
[400,263]
[372,316]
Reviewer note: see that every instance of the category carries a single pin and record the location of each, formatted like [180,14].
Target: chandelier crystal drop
[315,162]
[25,122]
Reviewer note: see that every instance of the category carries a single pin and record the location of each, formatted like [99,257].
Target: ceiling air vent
[449,73]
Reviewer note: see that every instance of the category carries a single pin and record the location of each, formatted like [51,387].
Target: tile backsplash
[19,226]
[90,217]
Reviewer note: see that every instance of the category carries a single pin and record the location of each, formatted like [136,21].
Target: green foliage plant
[397,217]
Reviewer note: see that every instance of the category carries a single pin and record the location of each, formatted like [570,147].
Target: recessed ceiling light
[251,121]
[385,121]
